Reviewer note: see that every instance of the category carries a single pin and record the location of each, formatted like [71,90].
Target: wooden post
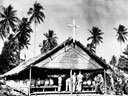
[30,77]
[105,81]
[71,80]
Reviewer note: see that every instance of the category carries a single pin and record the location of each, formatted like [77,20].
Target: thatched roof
[68,55]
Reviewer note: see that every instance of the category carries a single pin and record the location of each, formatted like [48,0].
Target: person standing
[112,83]
[80,80]
[51,82]
[59,82]
[74,81]
[68,84]
[38,82]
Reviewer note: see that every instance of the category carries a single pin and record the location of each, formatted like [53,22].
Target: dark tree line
[16,34]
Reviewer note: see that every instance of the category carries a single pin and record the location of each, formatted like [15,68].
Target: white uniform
[51,82]
[112,83]
[59,83]
[74,81]
[68,84]
[80,80]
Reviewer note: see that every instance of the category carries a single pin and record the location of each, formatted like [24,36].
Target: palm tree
[23,34]
[113,61]
[96,36]
[8,20]
[121,62]
[2,33]
[50,42]
[121,35]
[91,48]
[126,51]
[37,16]
[9,54]
[43,47]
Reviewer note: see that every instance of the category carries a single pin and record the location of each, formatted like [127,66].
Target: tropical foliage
[36,13]
[14,43]
[126,51]
[91,48]
[37,16]
[95,37]
[113,60]
[50,42]
[8,21]
[9,55]
[23,33]
[123,60]
[121,33]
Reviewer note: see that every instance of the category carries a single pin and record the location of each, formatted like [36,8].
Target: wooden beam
[64,47]
[50,57]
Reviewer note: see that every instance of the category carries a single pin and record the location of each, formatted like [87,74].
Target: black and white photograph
[63,47]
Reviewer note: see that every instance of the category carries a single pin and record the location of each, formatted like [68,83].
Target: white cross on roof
[74,26]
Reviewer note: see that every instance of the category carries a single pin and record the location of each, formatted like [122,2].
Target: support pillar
[30,77]
[71,79]
[105,81]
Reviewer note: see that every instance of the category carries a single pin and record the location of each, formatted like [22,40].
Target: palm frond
[36,13]
[30,11]
[121,33]
[95,36]
[50,42]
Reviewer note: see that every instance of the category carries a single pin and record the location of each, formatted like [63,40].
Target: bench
[45,87]
[88,87]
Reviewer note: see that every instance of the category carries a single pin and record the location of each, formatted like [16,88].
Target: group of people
[75,82]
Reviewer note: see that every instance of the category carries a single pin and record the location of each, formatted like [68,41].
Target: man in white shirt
[59,82]
[74,81]
[68,84]
[80,80]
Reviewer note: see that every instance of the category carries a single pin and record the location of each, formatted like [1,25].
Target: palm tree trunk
[35,41]
[1,45]
[19,57]
[120,48]
[120,54]
[95,49]
[19,53]
[25,54]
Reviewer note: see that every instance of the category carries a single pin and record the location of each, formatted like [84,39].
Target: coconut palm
[2,33]
[121,62]
[8,20]
[23,34]
[37,16]
[9,54]
[95,36]
[91,48]
[121,35]
[126,51]
[113,61]
[50,42]
[43,47]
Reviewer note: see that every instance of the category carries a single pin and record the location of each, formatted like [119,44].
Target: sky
[105,14]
